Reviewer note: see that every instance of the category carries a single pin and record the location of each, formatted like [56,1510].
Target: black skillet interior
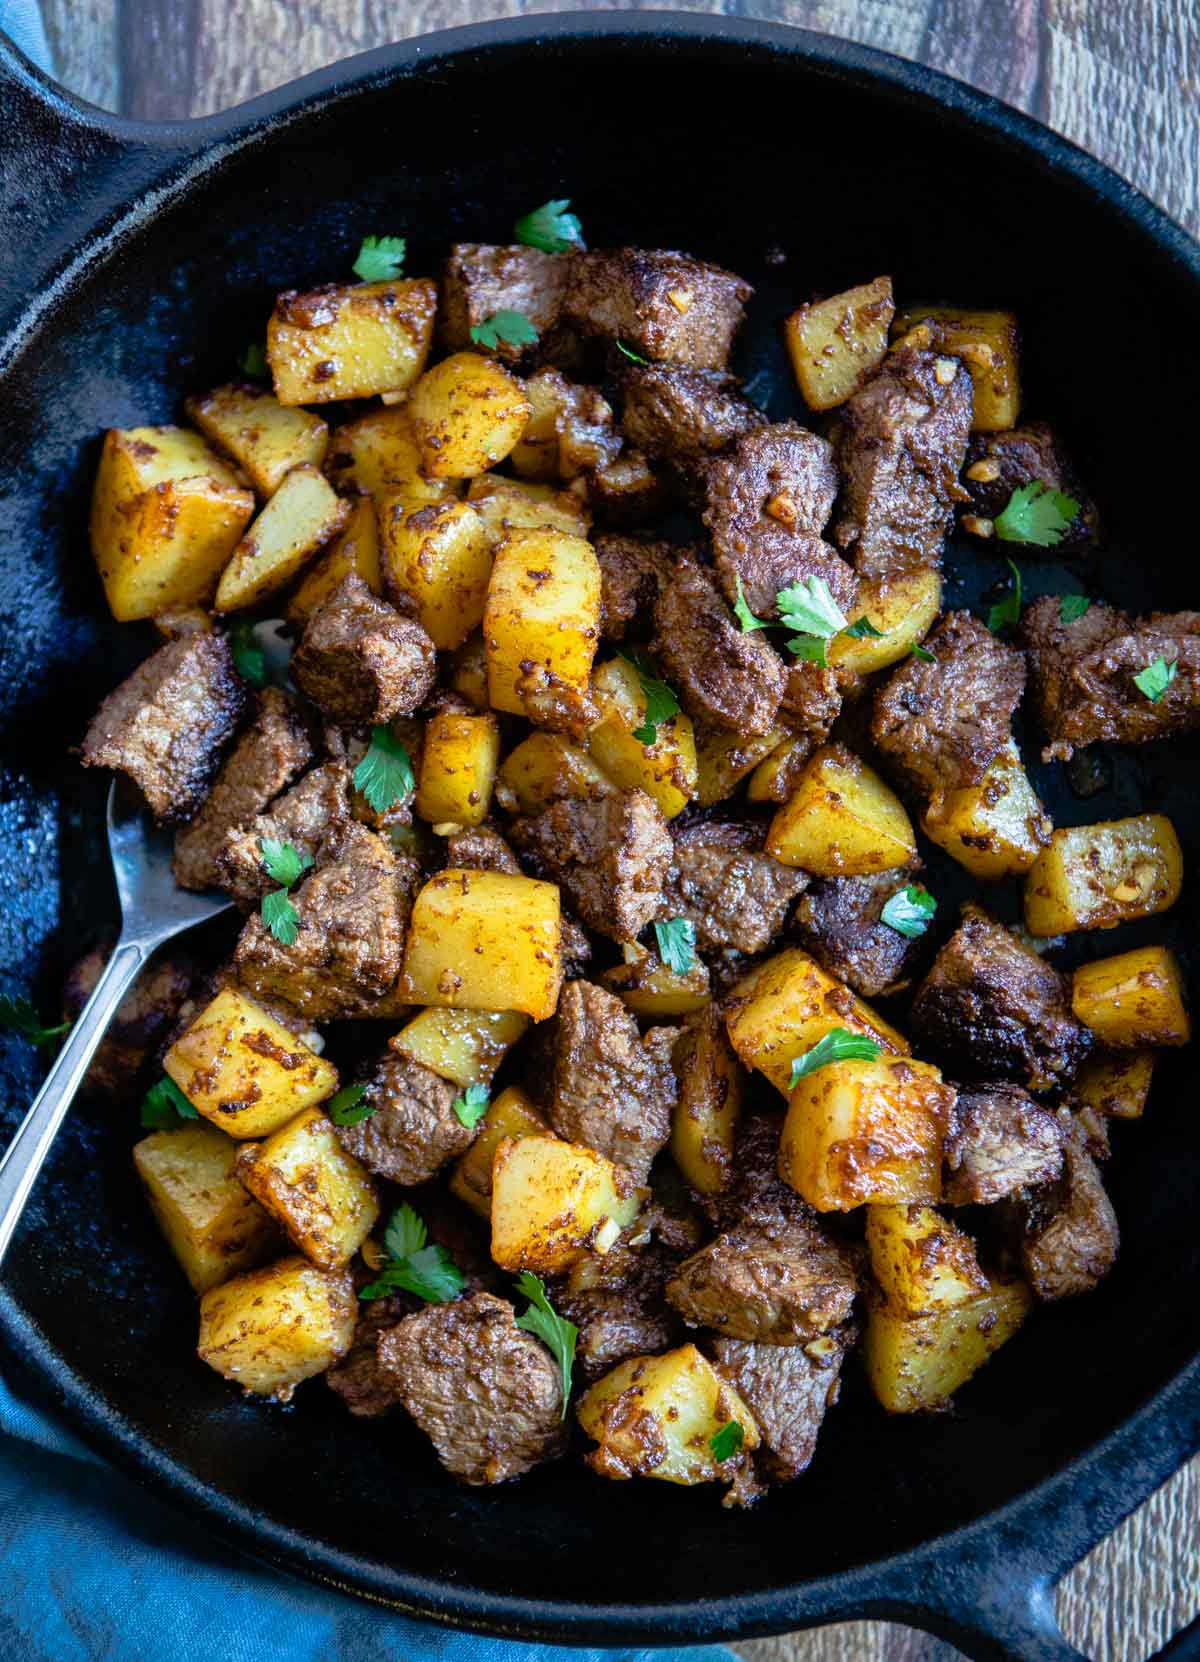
[728,148]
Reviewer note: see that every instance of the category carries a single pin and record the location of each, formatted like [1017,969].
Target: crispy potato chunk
[379,455]
[666,770]
[709,1104]
[270,1330]
[1133,1001]
[995,829]
[265,440]
[299,519]
[469,673]
[777,775]
[918,1362]
[511,1115]
[841,820]
[316,1189]
[211,1224]
[547,768]
[656,1416]
[354,553]
[467,413]
[542,613]
[1096,876]
[506,505]
[903,607]
[458,769]
[482,940]
[243,1070]
[986,342]
[1116,1083]
[554,1202]
[350,342]
[921,1260]
[646,986]
[466,1046]
[440,553]
[835,343]
[724,758]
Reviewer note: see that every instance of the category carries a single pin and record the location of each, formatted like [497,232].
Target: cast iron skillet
[136,261]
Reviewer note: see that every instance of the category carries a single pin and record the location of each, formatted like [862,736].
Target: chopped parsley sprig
[513,328]
[165,1108]
[471,1105]
[550,228]
[1156,678]
[676,944]
[1036,514]
[634,357]
[253,361]
[809,610]
[838,1045]
[909,911]
[727,1441]
[1072,606]
[555,1332]
[19,1015]
[385,775]
[348,1108]
[411,1265]
[284,865]
[661,703]
[1006,614]
[380,259]
[249,659]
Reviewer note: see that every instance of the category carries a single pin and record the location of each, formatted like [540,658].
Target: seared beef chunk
[812,700]
[610,855]
[1083,672]
[721,881]
[414,1130]
[264,761]
[366,1387]
[788,1389]
[942,724]
[482,279]
[623,1314]
[479,848]
[724,676]
[1072,1237]
[574,946]
[167,724]
[682,415]
[1000,463]
[782,1285]
[1002,1142]
[757,1197]
[613,1090]
[143,1016]
[903,439]
[997,1009]
[486,1394]
[838,921]
[360,661]
[315,811]
[631,571]
[666,306]
[350,936]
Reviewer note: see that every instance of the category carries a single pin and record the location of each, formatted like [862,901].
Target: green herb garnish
[379,259]
[253,361]
[550,228]
[1007,613]
[165,1108]
[744,615]
[634,357]
[557,1334]
[910,911]
[726,1442]
[348,1108]
[864,629]
[249,659]
[513,328]
[280,917]
[808,608]
[413,1267]
[283,863]
[1156,678]
[20,1015]
[1072,606]
[676,944]
[661,703]
[1036,514]
[920,653]
[472,1105]
[837,1046]
[385,774]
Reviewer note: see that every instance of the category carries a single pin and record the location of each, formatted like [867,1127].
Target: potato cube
[243,1070]
[1133,1001]
[299,519]
[841,820]
[1116,1083]
[903,608]
[547,768]
[656,1416]
[994,829]
[1096,876]
[315,1188]
[724,758]
[776,777]
[646,986]
[466,1046]
[469,672]
[212,1225]
[270,1330]
[918,1362]
[921,1260]
[350,342]
[467,413]
[378,454]
[266,440]
[354,553]
[787,1005]
[986,342]
[511,1115]
[440,554]
[666,770]
[554,1202]
[709,1104]
[167,513]
[506,505]
[536,456]
[484,940]
[542,613]
[458,769]
[835,343]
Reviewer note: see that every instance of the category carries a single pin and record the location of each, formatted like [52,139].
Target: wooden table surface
[1120,77]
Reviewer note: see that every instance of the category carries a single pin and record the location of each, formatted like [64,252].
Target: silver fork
[153,910]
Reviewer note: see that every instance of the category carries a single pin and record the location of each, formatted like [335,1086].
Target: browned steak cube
[725,677]
[612,1090]
[1002,1142]
[782,1286]
[942,724]
[665,305]
[143,1018]
[482,279]
[413,1130]
[479,848]
[316,810]
[903,439]
[997,1010]
[266,758]
[1072,1237]
[997,464]
[682,415]
[350,935]
[1082,675]
[788,1389]
[838,920]
[632,569]
[360,661]
[486,1394]
[757,1197]
[728,889]
[167,724]
[611,855]
[366,1387]
[812,700]
[625,1314]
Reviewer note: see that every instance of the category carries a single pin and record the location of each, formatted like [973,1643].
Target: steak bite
[665,305]
[683,415]
[942,724]
[996,1010]
[413,1130]
[483,278]
[264,761]
[812,699]
[166,725]
[783,1285]
[1071,1232]
[902,442]
[611,856]
[838,920]
[144,1016]
[632,570]
[612,1090]
[360,661]
[732,893]
[757,1198]
[316,810]
[479,848]
[1082,675]
[366,1387]
[997,464]
[1002,1143]
[626,1313]
[486,1394]
[726,678]
[788,1389]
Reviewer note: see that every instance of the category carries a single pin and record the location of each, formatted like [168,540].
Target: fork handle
[28,1150]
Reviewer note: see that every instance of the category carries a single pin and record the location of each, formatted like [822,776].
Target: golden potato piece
[458,769]
[350,342]
[1133,1001]
[709,1105]
[995,829]
[542,613]
[298,520]
[506,505]
[723,759]
[547,768]
[1096,876]
[921,1260]
[646,986]
[466,1046]
[918,1362]
[1116,1083]
[835,343]
[355,553]
[841,820]
[211,1224]
[265,440]
[272,1329]
[440,553]
[511,1115]
[315,1188]
[903,608]
[554,1202]
[667,769]
[986,342]
[777,775]
[468,675]
[483,940]
[467,413]
[378,455]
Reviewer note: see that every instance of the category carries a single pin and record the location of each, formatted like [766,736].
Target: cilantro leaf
[744,615]
[862,630]
[634,357]
[556,1333]
[550,228]
[412,1266]
[1156,678]
[164,1107]
[661,703]
[253,361]
[281,917]
[812,648]
[20,1015]
[676,944]
[348,1108]
[910,911]
[379,258]
[513,328]
[1072,606]
[283,863]
[1036,514]
[808,608]
[1007,613]
[837,1046]
[726,1442]
[405,1233]
[472,1105]
[385,774]
[920,653]
[249,659]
